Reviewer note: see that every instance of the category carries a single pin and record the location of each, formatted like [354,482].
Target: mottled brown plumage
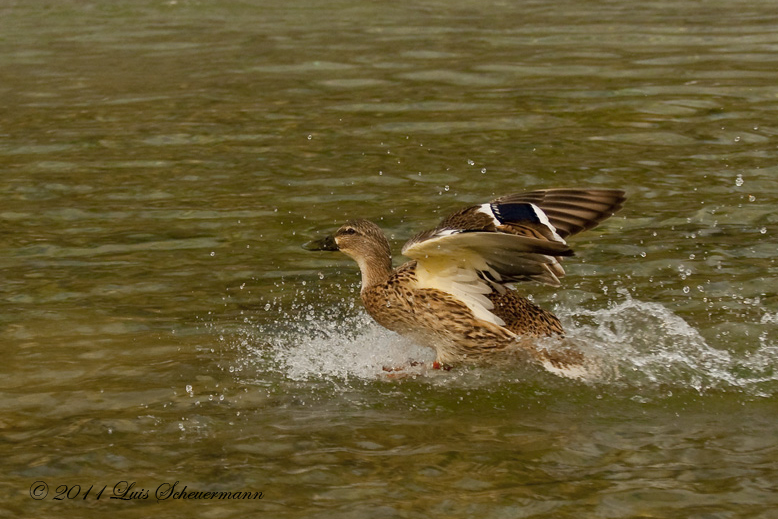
[454,295]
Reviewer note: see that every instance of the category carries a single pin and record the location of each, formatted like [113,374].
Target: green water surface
[161,163]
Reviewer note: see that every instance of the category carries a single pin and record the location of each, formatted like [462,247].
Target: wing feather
[571,211]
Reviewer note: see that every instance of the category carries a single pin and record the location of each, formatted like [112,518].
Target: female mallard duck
[454,296]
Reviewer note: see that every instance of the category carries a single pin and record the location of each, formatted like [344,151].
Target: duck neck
[375,266]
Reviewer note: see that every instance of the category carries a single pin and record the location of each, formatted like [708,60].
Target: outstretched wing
[568,211]
[512,238]
[496,256]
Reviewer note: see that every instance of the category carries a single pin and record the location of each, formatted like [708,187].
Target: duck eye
[348,230]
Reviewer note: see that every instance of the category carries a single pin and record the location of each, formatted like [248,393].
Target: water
[162,163]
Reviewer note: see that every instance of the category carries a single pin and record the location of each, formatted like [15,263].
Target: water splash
[633,343]
[645,344]
[328,344]
[362,350]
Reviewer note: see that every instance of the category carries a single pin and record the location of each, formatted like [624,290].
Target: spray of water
[630,343]
[646,344]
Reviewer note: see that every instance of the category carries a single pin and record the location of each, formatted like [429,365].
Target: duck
[457,293]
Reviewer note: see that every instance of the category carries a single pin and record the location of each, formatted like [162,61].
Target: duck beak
[326,243]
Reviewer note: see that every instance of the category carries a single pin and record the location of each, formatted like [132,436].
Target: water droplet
[739,181]
[267,307]
[321,275]
[643,254]
[686,290]
[483,171]
[763,230]
[189,388]
[470,162]
[310,137]
[692,256]
[213,253]
[446,188]
[737,139]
